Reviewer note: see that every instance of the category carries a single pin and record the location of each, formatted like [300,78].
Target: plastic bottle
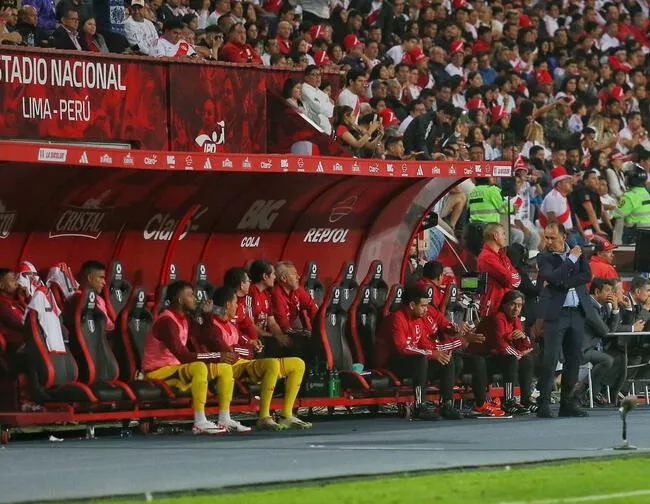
[331,383]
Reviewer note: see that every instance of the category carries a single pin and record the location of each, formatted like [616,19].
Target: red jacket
[243,320]
[439,328]
[399,334]
[502,277]
[11,320]
[226,337]
[260,306]
[601,268]
[287,307]
[236,53]
[498,335]
[438,293]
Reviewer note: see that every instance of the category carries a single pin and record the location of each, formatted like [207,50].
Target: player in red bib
[225,337]
[167,358]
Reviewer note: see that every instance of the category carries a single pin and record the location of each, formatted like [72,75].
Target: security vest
[635,207]
[486,203]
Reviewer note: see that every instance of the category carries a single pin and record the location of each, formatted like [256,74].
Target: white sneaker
[293,422]
[209,428]
[234,426]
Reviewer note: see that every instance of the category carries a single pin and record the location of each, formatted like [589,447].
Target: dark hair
[4,272]
[258,269]
[309,69]
[289,84]
[222,295]
[172,24]
[90,266]
[175,288]
[413,293]
[353,75]
[511,296]
[432,270]
[234,277]
[598,283]
[638,282]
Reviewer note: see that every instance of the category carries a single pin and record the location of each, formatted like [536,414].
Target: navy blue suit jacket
[560,275]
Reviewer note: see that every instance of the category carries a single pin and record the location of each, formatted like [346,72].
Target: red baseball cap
[351,41]
[457,46]
[388,117]
[498,111]
[476,103]
[602,244]
[321,58]
[316,31]
[414,56]
[617,92]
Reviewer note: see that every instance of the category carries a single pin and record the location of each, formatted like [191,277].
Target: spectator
[169,11]
[292,92]
[585,203]
[318,106]
[47,18]
[11,313]
[425,133]
[615,175]
[140,32]
[555,207]
[349,134]
[28,28]
[171,44]
[236,50]
[94,41]
[66,36]
[78,6]
[602,262]
[355,81]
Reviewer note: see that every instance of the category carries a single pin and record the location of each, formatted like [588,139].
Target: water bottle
[30,39]
[331,383]
[337,381]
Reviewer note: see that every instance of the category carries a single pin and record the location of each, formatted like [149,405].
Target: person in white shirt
[457,50]
[416,109]
[318,106]
[397,52]
[222,7]
[609,39]
[171,45]
[551,19]
[355,84]
[139,31]
[634,133]
[555,206]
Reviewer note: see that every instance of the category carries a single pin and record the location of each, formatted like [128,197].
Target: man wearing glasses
[318,106]
[66,36]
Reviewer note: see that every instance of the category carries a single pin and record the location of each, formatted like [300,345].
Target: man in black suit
[563,303]
[66,36]
[605,317]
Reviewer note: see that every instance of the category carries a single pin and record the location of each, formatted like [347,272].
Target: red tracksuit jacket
[401,335]
[498,335]
[502,277]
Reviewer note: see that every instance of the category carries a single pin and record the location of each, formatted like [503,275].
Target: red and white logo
[7,220]
[162,226]
[87,220]
[209,143]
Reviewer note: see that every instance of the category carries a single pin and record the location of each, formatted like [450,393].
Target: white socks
[199,417]
[224,416]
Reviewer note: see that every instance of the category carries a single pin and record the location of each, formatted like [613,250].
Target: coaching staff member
[563,303]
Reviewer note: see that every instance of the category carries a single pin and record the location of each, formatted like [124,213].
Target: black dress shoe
[544,411]
[572,410]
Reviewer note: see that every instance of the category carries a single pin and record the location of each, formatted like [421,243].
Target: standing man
[502,275]
[563,304]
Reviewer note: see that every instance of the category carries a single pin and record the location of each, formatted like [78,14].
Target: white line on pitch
[586,498]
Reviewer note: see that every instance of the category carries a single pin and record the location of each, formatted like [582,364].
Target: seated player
[237,279]
[454,339]
[11,312]
[403,346]
[432,273]
[92,276]
[260,304]
[167,358]
[289,299]
[225,337]
[510,348]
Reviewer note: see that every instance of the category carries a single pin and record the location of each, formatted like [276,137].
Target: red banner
[217,109]
[263,163]
[56,96]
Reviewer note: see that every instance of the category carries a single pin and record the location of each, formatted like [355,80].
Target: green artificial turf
[491,486]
